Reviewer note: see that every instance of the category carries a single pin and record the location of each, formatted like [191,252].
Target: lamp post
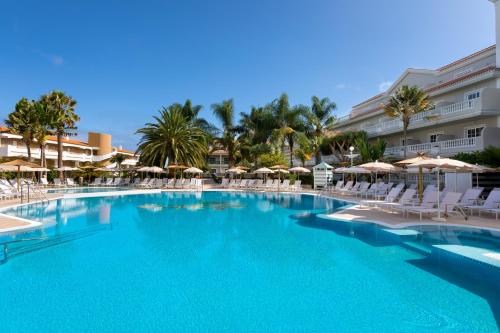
[351,149]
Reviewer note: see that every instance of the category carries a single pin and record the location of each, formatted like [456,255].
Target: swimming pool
[224,261]
[86,189]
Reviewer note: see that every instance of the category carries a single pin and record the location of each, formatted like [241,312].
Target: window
[473,132]
[213,170]
[433,137]
[226,160]
[212,160]
[472,95]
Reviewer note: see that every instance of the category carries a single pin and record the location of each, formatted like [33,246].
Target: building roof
[441,69]
[125,151]
[464,59]
[219,152]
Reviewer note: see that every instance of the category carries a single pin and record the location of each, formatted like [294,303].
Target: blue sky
[123,60]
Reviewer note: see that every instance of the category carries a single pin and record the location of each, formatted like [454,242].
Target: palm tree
[63,117]
[320,119]
[118,159]
[43,123]
[22,122]
[225,113]
[191,112]
[406,102]
[174,137]
[289,122]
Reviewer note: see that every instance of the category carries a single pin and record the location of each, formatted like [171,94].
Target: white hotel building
[466,117]
[98,149]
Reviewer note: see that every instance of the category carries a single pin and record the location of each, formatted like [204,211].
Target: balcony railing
[387,125]
[444,148]
[11,150]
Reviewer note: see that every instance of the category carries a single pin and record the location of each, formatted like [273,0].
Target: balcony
[21,151]
[443,148]
[439,115]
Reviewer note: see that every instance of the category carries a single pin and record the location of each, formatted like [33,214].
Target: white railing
[10,150]
[386,124]
[442,147]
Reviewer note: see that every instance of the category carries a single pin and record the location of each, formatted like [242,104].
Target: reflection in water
[195,206]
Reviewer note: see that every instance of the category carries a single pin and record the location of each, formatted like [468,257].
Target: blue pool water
[232,262]
[86,189]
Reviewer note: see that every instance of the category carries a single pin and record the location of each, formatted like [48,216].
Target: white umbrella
[129,161]
[156,169]
[67,168]
[263,171]
[380,167]
[143,169]
[299,169]
[235,170]
[439,164]
[193,170]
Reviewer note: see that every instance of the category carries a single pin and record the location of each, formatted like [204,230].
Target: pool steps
[16,247]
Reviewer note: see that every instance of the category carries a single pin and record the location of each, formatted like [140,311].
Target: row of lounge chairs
[259,184]
[406,201]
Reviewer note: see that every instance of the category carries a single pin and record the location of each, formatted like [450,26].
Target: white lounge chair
[297,186]
[70,182]
[97,182]
[491,203]
[448,204]
[391,197]
[405,200]
[224,183]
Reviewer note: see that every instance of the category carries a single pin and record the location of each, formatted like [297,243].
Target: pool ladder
[17,247]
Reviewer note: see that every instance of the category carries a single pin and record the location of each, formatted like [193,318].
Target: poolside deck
[8,223]
[397,220]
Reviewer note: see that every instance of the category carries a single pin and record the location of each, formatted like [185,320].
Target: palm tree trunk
[317,157]
[291,153]
[43,160]
[28,149]
[59,154]
[405,129]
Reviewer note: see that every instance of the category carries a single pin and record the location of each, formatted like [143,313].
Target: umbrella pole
[439,218]
[18,171]
[420,184]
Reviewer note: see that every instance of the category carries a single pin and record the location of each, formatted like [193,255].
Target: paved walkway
[398,220]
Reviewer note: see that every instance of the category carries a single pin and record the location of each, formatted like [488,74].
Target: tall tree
[172,136]
[63,116]
[406,102]
[320,119]
[43,122]
[22,122]
[225,113]
[191,112]
[289,122]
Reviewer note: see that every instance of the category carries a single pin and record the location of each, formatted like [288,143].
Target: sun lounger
[297,186]
[97,182]
[491,203]
[405,200]
[57,182]
[70,182]
[391,197]
[224,183]
[449,202]
[470,197]
[257,184]
[428,201]
[338,186]
[44,182]
[109,182]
